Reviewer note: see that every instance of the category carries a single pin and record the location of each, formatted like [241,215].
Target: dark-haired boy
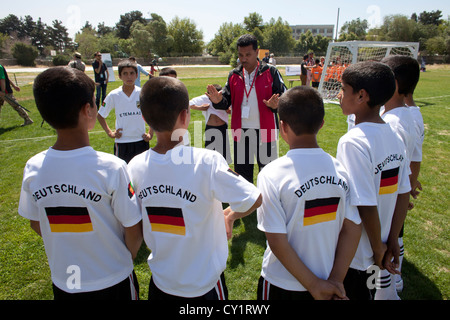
[180,191]
[130,136]
[312,230]
[375,159]
[408,124]
[79,200]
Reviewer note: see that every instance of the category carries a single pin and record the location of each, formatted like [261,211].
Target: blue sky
[210,15]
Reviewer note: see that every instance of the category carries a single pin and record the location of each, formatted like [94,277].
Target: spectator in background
[101,74]
[77,63]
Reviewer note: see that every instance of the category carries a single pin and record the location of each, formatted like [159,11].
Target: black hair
[127,64]
[376,78]
[406,70]
[302,109]
[161,101]
[60,93]
[167,71]
[248,40]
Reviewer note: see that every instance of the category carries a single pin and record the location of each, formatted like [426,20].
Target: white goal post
[341,54]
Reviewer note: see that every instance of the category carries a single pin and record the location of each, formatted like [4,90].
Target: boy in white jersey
[79,200]
[312,230]
[408,123]
[180,191]
[130,136]
[375,159]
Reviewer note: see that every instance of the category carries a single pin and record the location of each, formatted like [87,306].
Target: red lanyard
[253,83]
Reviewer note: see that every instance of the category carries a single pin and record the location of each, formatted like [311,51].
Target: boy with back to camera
[375,159]
[129,134]
[312,230]
[78,199]
[408,123]
[180,192]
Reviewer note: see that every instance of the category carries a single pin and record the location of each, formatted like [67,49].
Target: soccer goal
[342,54]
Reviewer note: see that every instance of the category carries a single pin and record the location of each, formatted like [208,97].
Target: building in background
[326,30]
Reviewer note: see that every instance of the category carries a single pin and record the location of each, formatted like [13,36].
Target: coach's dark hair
[406,70]
[376,78]
[161,101]
[248,40]
[302,109]
[60,93]
[127,64]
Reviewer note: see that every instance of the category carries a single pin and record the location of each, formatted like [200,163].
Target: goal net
[342,54]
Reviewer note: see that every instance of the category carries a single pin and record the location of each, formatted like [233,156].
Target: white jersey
[128,114]
[200,100]
[402,123]
[180,194]
[376,161]
[306,196]
[81,199]
[420,133]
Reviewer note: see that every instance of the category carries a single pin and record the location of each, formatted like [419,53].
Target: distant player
[130,135]
[79,200]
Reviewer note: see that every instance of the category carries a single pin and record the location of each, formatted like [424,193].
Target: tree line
[144,37]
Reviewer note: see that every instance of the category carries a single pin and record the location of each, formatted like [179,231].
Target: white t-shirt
[200,100]
[306,196]
[402,123]
[81,199]
[420,133]
[180,194]
[376,162]
[128,114]
[249,108]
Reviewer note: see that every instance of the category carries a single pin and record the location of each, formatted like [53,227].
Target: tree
[188,41]
[126,21]
[353,28]
[433,17]
[10,24]
[39,36]
[87,42]
[162,41]
[58,37]
[222,44]
[278,37]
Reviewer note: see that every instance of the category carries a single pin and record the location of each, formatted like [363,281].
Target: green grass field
[24,272]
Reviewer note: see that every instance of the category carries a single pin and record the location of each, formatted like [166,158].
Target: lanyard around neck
[247,94]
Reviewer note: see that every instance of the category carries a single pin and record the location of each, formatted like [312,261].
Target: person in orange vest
[316,74]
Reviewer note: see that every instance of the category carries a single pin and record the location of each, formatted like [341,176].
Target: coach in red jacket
[252,91]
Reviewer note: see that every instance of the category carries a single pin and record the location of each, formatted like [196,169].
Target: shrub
[25,54]
[61,60]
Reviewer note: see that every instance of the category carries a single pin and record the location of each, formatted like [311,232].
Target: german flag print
[389,181]
[69,219]
[168,220]
[320,210]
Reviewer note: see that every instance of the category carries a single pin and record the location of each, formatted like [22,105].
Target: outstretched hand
[273,101]
[213,95]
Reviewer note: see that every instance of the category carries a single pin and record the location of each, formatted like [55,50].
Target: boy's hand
[327,290]
[115,134]
[147,137]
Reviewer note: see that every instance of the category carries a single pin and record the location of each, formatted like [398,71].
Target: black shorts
[127,289]
[219,292]
[127,151]
[355,284]
[267,291]
[216,138]
[315,84]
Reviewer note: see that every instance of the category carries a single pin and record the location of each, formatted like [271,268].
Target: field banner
[106,58]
